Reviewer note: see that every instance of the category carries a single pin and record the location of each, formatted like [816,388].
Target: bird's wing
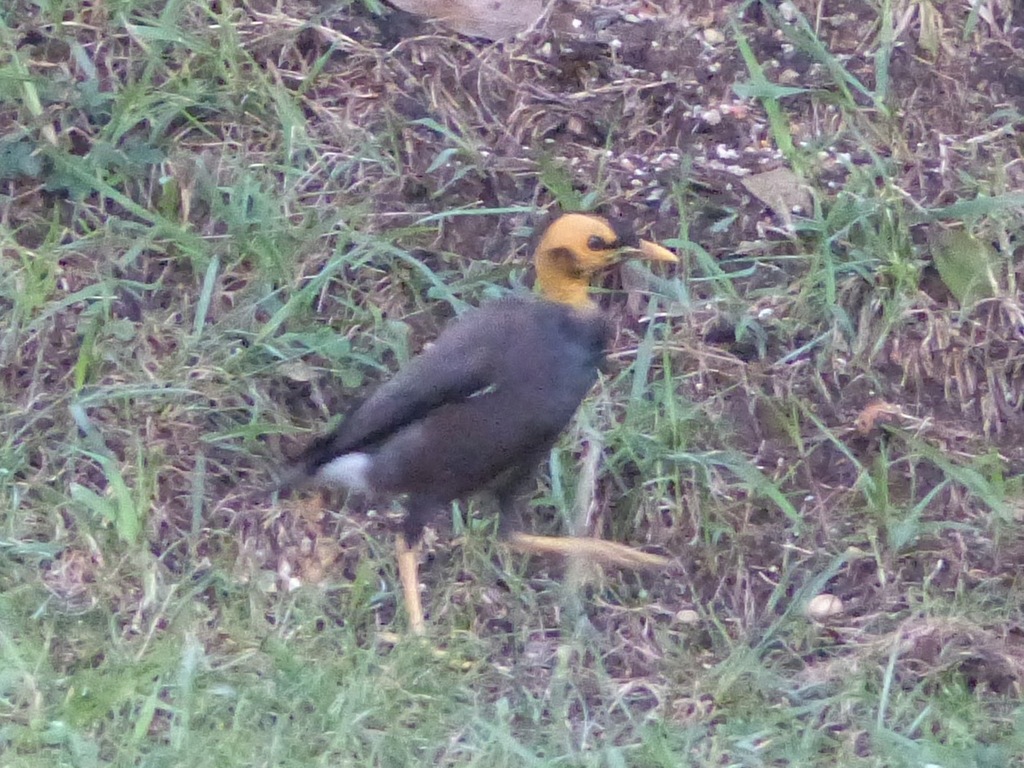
[456,366]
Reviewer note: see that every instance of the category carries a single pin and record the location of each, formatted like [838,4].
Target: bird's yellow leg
[408,574]
[597,550]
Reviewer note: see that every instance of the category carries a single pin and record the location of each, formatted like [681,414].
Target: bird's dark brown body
[477,410]
[481,407]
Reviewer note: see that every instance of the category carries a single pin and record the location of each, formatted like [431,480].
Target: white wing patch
[350,470]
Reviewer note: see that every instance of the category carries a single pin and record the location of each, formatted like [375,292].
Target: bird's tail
[294,477]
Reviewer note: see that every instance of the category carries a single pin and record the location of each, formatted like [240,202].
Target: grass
[219,224]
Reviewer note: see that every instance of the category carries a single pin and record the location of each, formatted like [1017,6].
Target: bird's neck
[554,284]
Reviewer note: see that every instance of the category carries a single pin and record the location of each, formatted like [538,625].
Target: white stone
[824,606]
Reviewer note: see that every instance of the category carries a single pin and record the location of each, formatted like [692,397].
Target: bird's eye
[595,243]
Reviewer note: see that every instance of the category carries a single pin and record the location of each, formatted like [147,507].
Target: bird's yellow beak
[654,252]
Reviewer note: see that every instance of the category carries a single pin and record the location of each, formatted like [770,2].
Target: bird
[480,408]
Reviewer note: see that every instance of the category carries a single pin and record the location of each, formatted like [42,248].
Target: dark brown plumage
[477,410]
[480,408]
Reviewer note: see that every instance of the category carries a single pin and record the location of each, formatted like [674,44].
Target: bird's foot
[596,550]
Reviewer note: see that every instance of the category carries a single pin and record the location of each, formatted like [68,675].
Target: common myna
[481,407]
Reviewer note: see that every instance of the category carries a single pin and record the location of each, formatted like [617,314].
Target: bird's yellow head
[577,246]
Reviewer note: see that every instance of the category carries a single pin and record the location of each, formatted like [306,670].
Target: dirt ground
[637,104]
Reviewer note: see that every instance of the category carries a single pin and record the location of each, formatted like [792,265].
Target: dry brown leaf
[492,19]
[782,191]
[296,370]
[873,413]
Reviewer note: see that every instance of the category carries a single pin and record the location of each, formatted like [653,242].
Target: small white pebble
[711,117]
[726,153]
[687,616]
[615,43]
[824,606]
[576,23]
[713,37]
[788,10]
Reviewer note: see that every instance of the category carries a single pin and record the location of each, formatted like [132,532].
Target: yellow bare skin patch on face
[578,246]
